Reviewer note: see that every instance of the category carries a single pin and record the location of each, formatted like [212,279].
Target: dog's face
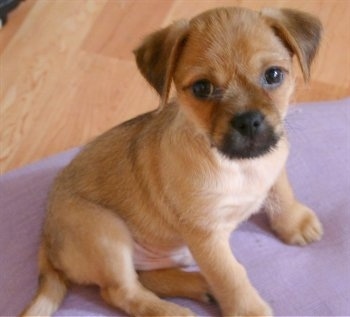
[232,70]
[234,77]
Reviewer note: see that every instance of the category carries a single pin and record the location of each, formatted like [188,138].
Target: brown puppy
[127,210]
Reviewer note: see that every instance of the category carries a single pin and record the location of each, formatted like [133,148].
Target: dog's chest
[239,188]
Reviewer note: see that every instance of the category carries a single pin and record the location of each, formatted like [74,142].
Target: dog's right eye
[273,77]
[203,89]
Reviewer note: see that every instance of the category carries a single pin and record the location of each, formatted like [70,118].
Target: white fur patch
[239,188]
[147,258]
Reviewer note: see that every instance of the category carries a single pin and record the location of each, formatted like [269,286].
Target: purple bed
[296,281]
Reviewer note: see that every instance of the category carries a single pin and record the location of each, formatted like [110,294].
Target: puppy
[167,188]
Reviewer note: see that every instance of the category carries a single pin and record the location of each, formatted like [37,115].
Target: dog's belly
[148,258]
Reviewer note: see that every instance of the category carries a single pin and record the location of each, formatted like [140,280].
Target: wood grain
[67,70]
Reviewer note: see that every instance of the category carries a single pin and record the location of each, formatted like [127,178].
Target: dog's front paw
[298,226]
[262,309]
[170,309]
[249,303]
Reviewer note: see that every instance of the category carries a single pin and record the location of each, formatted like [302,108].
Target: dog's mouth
[249,136]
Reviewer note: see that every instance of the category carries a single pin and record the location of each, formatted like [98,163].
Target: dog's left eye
[203,89]
[273,77]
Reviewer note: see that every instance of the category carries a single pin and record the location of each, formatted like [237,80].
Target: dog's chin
[236,146]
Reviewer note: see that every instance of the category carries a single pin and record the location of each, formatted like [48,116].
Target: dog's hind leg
[174,282]
[137,301]
[127,293]
[101,252]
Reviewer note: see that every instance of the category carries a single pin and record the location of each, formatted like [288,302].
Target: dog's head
[232,72]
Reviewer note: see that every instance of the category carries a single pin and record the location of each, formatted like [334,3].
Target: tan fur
[160,179]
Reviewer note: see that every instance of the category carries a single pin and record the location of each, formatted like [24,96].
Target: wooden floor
[67,72]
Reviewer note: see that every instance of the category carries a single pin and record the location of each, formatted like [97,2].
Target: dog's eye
[273,77]
[203,89]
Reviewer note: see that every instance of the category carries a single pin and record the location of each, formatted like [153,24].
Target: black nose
[249,123]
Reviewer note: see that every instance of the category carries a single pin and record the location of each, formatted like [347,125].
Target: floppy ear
[300,31]
[156,57]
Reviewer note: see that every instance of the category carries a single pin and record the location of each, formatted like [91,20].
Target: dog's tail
[51,291]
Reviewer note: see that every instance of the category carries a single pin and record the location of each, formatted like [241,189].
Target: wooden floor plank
[15,19]
[104,104]
[121,27]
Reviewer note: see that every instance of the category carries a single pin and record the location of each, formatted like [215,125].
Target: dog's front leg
[226,276]
[292,221]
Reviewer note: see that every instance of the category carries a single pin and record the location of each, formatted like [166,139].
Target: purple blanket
[296,281]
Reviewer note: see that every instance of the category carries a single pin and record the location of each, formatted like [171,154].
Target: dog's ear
[156,57]
[300,31]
